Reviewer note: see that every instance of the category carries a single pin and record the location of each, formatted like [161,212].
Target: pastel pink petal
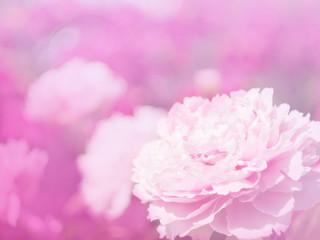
[309,196]
[236,186]
[274,203]
[278,167]
[290,164]
[219,223]
[273,137]
[246,195]
[202,233]
[141,193]
[315,130]
[296,168]
[287,185]
[168,212]
[270,177]
[267,96]
[184,227]
[246,222]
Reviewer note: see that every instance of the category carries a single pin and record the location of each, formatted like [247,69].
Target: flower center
[209,158]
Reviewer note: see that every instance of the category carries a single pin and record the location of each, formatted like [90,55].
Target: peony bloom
[106,165]
[236,165]
[61,94]
[20,171]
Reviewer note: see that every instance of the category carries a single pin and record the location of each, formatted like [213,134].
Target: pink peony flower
[20,171]
[106,165]
[237,165]
[61,94]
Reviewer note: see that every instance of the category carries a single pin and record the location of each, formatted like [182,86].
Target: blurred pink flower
[106,165]
[237,165]
[207,82]
[76,89]
[21,169]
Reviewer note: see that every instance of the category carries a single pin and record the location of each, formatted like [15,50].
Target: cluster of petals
[59,94]
[20,172]
[106,166]
[237,165]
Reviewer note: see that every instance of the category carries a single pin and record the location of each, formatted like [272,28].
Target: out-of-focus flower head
[73,91]
[20,172]
[106,165]
[237,165]
[207,82]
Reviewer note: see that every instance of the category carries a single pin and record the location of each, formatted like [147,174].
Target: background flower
[106,185]
[59,95]
[21,169]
